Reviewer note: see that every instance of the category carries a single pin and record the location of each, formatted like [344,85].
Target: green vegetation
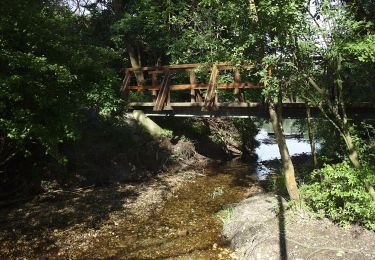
[225,214]
[337,191]
[52,69]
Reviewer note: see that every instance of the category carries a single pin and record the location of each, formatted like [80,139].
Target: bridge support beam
[153,128]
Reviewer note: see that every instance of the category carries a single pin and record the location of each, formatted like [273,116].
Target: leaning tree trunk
[340,122]
[287,164]
[352,152]
[311,137]
[136,63]
[354,158]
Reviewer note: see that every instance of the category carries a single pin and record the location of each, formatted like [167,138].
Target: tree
[51,71]
[277,25]
[332,46]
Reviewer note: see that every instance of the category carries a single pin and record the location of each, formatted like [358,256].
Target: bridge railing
[162,84]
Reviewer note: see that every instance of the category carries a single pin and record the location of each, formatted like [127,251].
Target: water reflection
[268,149]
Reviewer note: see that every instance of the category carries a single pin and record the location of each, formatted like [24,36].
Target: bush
[338,192]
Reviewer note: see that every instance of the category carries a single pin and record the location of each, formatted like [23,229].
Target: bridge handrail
[161,91]
[220,65]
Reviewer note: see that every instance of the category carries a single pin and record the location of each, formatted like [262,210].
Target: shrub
[338,192]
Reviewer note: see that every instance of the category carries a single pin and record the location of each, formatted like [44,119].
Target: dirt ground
[261,227]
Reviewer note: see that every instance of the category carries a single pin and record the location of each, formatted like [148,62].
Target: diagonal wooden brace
[125,84]
[210,98]
[163,92]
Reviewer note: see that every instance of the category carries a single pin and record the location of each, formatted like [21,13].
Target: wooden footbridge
[202,99]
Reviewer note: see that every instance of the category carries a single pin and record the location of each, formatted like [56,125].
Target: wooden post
[238,93]
[168,100]
[192,90]
[154,79]
[211,95]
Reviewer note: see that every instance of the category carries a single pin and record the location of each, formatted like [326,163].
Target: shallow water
[188,225]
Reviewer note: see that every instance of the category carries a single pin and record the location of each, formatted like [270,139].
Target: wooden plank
[163,93]
[192,90]
[245,85]
[162,69]
[209,100]
[226,67]
[201,104]
[154,79]
[176,67]
[125,85]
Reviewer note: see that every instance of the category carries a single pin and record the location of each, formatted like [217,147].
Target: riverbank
[205,210]
[262,227]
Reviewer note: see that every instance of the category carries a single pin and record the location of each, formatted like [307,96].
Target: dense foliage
[337,191]
[51,71]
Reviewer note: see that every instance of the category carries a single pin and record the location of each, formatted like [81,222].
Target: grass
[225,214]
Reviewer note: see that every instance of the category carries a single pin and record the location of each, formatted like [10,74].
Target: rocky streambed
[178,214]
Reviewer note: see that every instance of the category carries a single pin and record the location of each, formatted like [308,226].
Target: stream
[189,224]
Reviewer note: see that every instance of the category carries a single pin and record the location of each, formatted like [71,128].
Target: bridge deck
[243,109]
[204,100]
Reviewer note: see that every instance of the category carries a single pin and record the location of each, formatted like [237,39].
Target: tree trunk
[354,159]
[353,155]
[311,137]
[288,168]
[136,63]
[341,125]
